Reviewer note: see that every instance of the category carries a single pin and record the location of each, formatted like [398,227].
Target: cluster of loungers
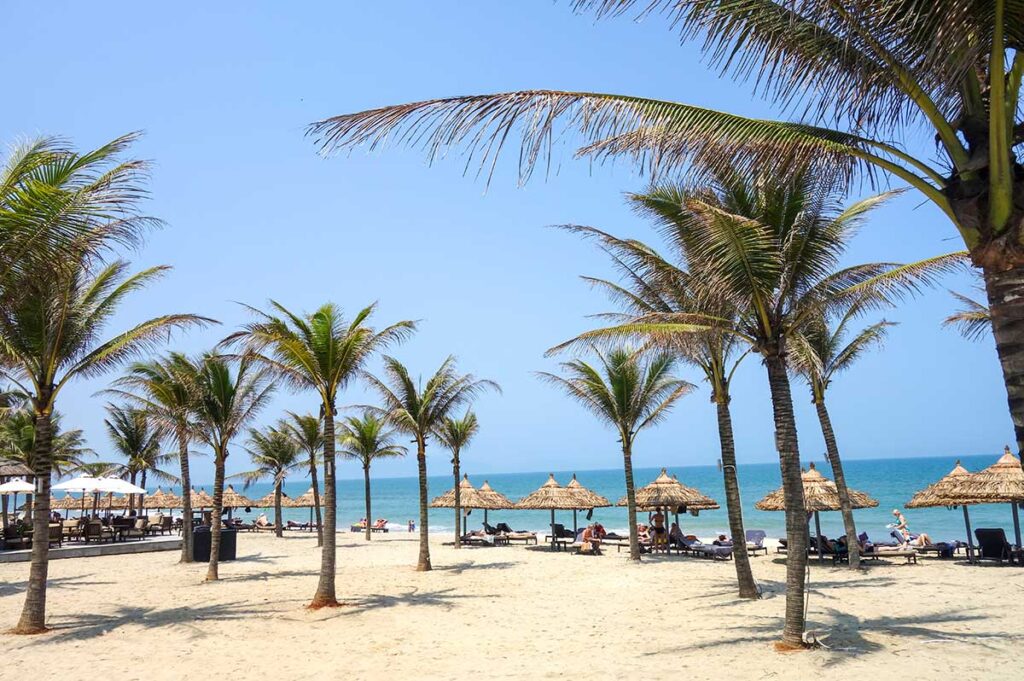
[497,535]
[380,526]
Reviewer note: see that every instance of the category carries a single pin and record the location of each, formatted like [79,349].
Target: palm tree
[49,336]
[321,352]
[138,438]
[308,433]
[225,403]
[770,246]
[162,387]
[819,354]
[973,320]
[456,434]
[419,410]
[366,439]
[275,453]
[654,286]
[629,392]
[873,70]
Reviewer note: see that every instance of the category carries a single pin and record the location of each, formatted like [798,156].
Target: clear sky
[224,91]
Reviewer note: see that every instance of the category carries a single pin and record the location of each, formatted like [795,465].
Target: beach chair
[136,531]
[992,544]
[263,525]
[56,534]
[380,526]
[755,542]
[96,531]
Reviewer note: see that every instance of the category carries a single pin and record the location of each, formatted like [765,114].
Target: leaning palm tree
[456,434]
[819,354]
[419,410]
[49,336]
[308,433]
[138,438]
[874,71]
[629,392]
[653,285]
[275,454]
[366,439]
[321,352]
[771,246]
[226,399]
[162,387]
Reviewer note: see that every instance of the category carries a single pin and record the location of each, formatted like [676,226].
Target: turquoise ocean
[891,481]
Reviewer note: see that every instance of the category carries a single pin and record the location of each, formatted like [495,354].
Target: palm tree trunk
[845,505]
[1005,289]
[186,498]
[733,505]
[316,499]
[366,493]
[131,497]
[325,595]
[423,564]
[215,524]
[142,497]
[278,529]
[627,464]
[458,501]
[33,614]
[793,490]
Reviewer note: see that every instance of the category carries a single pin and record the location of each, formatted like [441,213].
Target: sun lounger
[992,545]
[263,525]
[755,542]
[380,526]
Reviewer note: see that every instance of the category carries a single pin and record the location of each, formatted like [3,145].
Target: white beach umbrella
[17,486]
[82,483]
[118,486]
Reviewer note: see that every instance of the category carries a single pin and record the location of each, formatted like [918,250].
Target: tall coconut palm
[226,400]
[875,71]
[365,439]
[819,353]
[973,320]
[308,433]
[419,410]
[162,387]
[276,454]
[321,352]
[653,285]
[49,336]
[138,438]
[630,392]
[456,434]
[771,246]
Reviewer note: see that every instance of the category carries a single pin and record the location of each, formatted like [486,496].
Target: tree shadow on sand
[76,582]
[459,568]
[84,627]
[445,599]
[848,636]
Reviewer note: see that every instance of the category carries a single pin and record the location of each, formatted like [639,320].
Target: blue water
[891,481]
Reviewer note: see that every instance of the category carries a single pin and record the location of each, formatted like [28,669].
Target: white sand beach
[504,612]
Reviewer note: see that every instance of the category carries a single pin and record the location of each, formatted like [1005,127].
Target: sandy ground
[505,612]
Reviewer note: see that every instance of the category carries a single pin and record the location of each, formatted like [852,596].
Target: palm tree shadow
[267,576]
[446,599]
[84,627]
[258,558]
[459,568]
[76,582]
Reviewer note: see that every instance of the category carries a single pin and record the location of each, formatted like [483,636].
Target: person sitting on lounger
[590,542]
[600,531]
[916,540]
[658,527]
[722,541]
[642,534]
[675,535]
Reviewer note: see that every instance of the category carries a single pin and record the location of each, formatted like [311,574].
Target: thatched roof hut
[820,494]
[469,497]
[950,490]
[587,498]
[304,500]
[552,497]
[1001,482]
[66,503]
[496,498]
[668,492]
[201,499]
[268,500]
[12,469]
[233,499]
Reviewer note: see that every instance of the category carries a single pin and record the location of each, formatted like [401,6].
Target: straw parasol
[201,499]
[469,498]
[268,501]
[10,469]
[498,501]
[232,499]
[668,492]
[949,491]
[553,497]
[820,494]
[588,500]
[306,500]
[155,500]
[1002,482]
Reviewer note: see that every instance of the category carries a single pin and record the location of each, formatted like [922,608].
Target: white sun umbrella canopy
[17,486]
[82,483]
[119,486]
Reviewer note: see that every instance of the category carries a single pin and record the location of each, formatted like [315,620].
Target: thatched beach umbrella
[201,499]
[820,494]
[668,492]
[587,499]
[306,500]
[156,500]
[233,499]
[469,498]
[1002,482]
[268,501]
[496,500]
[553,497]
[950,491]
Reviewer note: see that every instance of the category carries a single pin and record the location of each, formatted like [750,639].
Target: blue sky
[224,91]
